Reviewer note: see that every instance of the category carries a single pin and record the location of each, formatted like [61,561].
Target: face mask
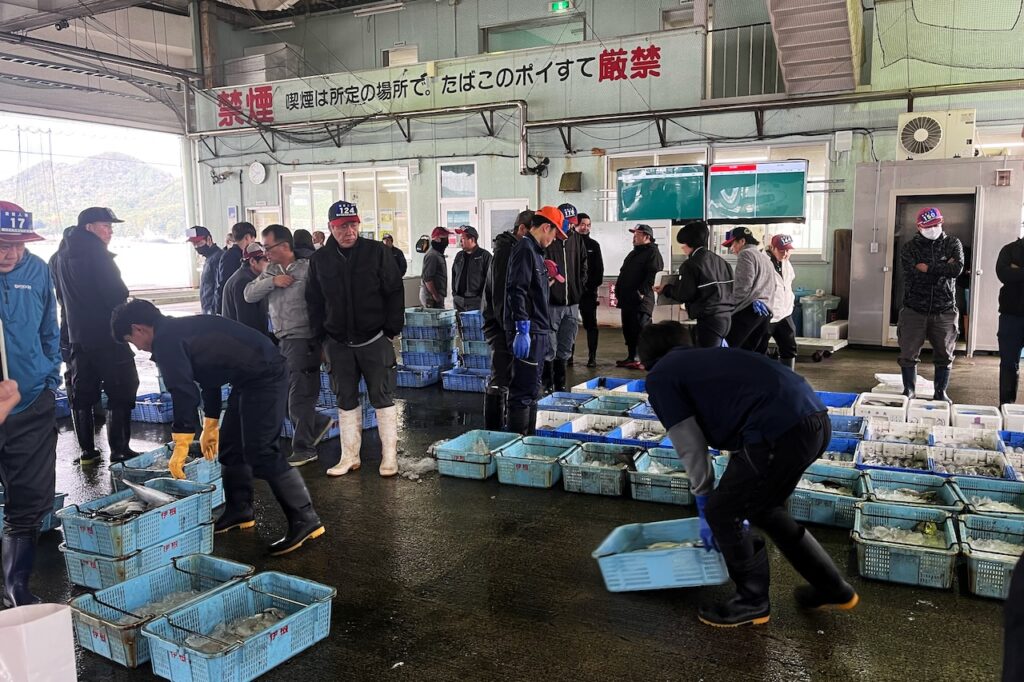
[932,233]
[204,250]
[439,246]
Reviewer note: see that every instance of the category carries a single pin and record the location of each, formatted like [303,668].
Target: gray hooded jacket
[288,311]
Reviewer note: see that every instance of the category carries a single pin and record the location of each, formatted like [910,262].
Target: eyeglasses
[8,247]
[270,247]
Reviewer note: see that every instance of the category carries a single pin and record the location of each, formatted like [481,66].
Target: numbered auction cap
[570,213]
[342,212]
[16,224]
[929,217]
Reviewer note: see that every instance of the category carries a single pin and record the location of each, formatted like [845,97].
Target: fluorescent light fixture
[276,26]
[1000,145]
[378,8]
[745,159]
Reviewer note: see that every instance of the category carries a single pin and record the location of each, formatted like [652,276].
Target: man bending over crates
[775,426]
[211,351]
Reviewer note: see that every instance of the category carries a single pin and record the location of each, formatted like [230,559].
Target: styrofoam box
[887,407]
[888,389]
[881,429]
[977,417]
[922,385]
[1013,417]
[928,412]
[833,331]
[549,420]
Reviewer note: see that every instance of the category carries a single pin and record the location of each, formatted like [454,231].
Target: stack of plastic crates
[153,408]
[100,551]
[476,354]
[428,339]
[51,521]
[154,464]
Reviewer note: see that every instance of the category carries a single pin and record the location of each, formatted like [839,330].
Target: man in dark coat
[400,262]
[233,303]
[469,271]
[595,278]
[202,241]
[243,234]
[634,290]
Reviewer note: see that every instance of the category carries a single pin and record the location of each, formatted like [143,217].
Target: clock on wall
[257,173]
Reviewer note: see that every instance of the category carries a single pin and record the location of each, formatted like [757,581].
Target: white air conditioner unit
[937,134]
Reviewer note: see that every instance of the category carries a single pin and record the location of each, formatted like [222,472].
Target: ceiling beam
[71,10]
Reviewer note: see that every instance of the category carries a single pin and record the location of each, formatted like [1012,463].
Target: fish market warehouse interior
[347,337]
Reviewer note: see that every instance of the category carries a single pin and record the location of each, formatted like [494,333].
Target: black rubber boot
[303,522]
[238,511]
[531,424]
[85,424]
[18,554]
[494,408]
[547,376]
[558,374]
[827,588]
[518,420]
[909,381]
[750,605]
[119,434]
[592,335]
[941,383]
[1008,380]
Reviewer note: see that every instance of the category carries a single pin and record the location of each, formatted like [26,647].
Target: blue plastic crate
[844,426]
[600,385]
[549,421]
[327,398]
[948,494]
[903,563]
[369,417]
[96,535]
[476,362]
[61,405]
[575,428]
[943,461]
[627,565]
[153,408]
[51,521]
[418,377]
[441,333]
[288,428]
[427,346]
[611,405]
[98,571]
[563,402]
[461,456]
[989,572]
[308,621]
[828,509]
[666,488]
[840,452]
[441,361]
[915,458]
[475,347]
[469,320]
[1012,439]
[974,489]
[107,622]
[629,434]
[643,411]
[632,386]
[516,468]
[138,469]
[473,334]
[469,380]
[429,317]
[218,498]
[838,403]
[577,477]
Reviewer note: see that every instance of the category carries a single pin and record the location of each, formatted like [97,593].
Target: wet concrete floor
[450,579]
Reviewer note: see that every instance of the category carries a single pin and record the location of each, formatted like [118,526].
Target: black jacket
[65,340]
[1011,295]
[704,285]
[493,305]
[211,351]
[571,257]
[933,291]
[355,294]
[209,299]
[475,265]
[634,289]
[595,266]
[234,306]
[230,261]
[526,287]
[90,287]
[400,261]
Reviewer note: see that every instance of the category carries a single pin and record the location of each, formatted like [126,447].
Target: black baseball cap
[469,231]
[97,214]
[197,233]
[646,229]
[741,232]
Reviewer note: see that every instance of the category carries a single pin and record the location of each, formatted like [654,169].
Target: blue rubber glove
[521,344]
[706,535]
[761,309]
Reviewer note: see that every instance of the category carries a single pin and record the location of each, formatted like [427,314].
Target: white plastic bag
[37,644]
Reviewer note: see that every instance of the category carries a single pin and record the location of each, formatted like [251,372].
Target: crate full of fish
[109,622]
[155,464]
[618,406]
[966,439]
[466,380]
[992,547]
[891,408]
[844,426]
[550,421]
[838,403]
[563,402]
[97,571]
[922,490]
[599,468]
[418,377]
[533,461]
[658,556]
[647,433]
[873,454]
[840,452]
[443,332]
[660,477]
[902,544]
[142,516]
[601,386]
[471,455]
[963,463]
[827,495]
[429,317]
[591,428]
[153,408]
[992,497]
[643,411]
[896,432]
[427,346]
[61,405]
[240,632]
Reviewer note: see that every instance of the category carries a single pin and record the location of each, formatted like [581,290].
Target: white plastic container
[1013,417]
[833,331]
[977,417]
[896,432]
[967,439]
[922,385]
[891,408]
[928,412]
[888,389]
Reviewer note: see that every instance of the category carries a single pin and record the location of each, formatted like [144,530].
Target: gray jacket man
[753,286]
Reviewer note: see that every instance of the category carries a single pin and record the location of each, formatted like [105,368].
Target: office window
[522,35]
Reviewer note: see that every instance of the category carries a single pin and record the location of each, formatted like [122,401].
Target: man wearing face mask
[931,262]
[202,241]
[434,275]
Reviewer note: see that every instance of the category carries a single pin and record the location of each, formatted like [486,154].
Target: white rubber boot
[387,428]
[351,423]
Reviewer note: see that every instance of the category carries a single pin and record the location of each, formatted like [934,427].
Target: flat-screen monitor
[772,191]
[661,193]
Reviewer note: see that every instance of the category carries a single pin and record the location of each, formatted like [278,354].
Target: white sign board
[617,241]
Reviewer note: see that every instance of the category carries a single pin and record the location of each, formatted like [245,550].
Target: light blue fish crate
[550,421]
[466,380]
[476,347]
[644,433]
[664,488]
[479,362]
[441,361]
[904,563]
[51,521]
[61,405]
[576,429]
[153,408]
[947,493]
[461,456]
[515,468]
[989,572]
[326,398]
[108,622]
[97,571]
[429,317]
[844,426]
[218,493]
[975,490]
[611,405]
[85,532]
[838,403]
[307,606]
[441,333]
[418,377]
[563,402]
[138,469]
[827,508]
[627,565]
[471,320]
[643,411]
[578,477]
[427,346]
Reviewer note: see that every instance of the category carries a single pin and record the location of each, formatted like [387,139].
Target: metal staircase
[819,44]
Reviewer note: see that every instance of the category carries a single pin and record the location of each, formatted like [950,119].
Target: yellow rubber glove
[209,441]
[182,441]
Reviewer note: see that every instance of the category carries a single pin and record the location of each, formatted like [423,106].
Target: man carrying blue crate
[28,436]
[775,426]
[197,355]
[527,320]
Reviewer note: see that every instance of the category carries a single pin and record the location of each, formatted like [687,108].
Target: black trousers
[525,387]
[588,311]
[759,480]
[501,360]
[251,432]
[375,362]
[1013,642]
[633,321]
[749,330]
[1011,342]
[784,333]
[110,369]
[28,460]
[709,331]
